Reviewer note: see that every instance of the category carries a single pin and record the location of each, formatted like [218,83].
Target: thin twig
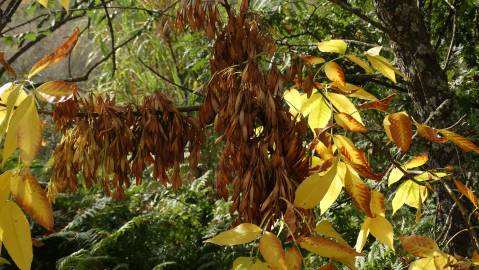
[356,11]
[112,38]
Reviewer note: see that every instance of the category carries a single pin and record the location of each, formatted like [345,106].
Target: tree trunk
[428,88]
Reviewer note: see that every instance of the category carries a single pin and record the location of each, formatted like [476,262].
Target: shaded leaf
[294,259]
[272,251]
[313,60]
[248,263]
[429,133]
[241,234]
[5,185]
[59,53]
[325,228]
[420,246]
[360,62]
[32,198]
[333,46]
[465,144]
[16,234]
[7,66]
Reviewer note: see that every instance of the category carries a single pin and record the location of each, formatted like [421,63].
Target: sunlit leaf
[360,62]
[16,234]
[417,161]
[335,73]
[325,228]
[60,53]
[7,66]
[465,144]
[43,2]
[57,91]
[328,248]
[383,66]
[294,259]
[334,188]
[359,191]
[430,133]
[409,193]
[347,122]
[466,192]
[375,51]
[382,230]
[318,111]
[377,203]
[440,261]
[398,127]
[65,4]
[5,185]
[272,251]
[313,189]
[32,198]
[241,234]
[363,94]
[420,246]
[333,46]
[344,104]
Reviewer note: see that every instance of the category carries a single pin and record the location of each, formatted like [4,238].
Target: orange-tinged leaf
[294,259]
[325,228]
[272,251]
[241,234]
[328,248]
[7,66]
[343,104]
[16,234]
[355,157]
[466,192]
[335,73]
[398,127]
[359,192]
[417,161]
[32,198]
[313,60]
[360,62]
[377,203]
[346,89]
[57,91]
[429,133]
[380,105]
[347,122]
[60,53]
[420,246]
[312,190]
[465,144]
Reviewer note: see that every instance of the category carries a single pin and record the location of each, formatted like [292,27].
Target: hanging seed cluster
[263,157]
[110,144]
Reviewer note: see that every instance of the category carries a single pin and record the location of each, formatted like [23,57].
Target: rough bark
[428,88]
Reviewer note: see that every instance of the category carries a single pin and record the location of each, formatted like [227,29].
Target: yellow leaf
[363,94]
[16,120]
[295,100]
[59,53]
[16,234]
[272,251]
[417,161]
[334,189]
[344,104]
[248,263]
[241,234]
[382,230]
[5,185]
[426,176]
[465,144]
[437,262]
[398,127]
[383,66]
[57,91]
[312,190]
[363,235]
[325,228]
[294,258]
[43,2]
[335,73]
[330,249]
[377,203]
[333,46]
[348,123]
[360,62]
[32,198]
[65,4]
[409,193]
[317,110]
[466,191]
[420,246]
[374,51]
[13,95]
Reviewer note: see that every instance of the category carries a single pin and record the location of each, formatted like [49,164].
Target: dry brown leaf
[380,105]
[7,66]
[464,143]
[466,192]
